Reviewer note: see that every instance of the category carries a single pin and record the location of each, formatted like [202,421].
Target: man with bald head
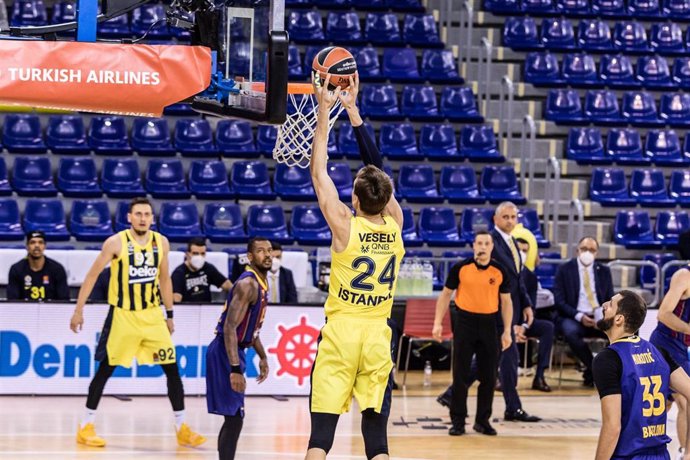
[582,285]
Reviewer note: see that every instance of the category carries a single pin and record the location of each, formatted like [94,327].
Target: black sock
[228,436]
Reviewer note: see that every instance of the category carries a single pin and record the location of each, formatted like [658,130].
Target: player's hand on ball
[437,332]
[263,371]
[506,340]
[171,325]
[238,382]
[326,98]
[349,97]
[77,321]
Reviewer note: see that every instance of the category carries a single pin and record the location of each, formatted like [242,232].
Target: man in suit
[582,285]
[281,284]
[507,254]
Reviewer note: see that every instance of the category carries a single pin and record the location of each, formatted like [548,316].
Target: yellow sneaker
[87,435]
[187,438]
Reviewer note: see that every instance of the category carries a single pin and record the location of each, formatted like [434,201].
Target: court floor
[44,427]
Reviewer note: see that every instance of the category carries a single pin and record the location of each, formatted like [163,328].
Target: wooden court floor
[44,427]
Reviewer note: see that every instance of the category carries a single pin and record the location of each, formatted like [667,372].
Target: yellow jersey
[134,274]
[364,276]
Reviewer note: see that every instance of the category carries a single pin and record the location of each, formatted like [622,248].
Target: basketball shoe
[87,435]
[187,438]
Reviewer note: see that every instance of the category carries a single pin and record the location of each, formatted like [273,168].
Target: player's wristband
[236,369]
[169,314]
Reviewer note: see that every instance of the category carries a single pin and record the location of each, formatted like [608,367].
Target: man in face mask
[582,285]
[192,280]
[281,283]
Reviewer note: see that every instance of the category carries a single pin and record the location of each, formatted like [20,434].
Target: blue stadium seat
[679,187]
[28,13]
[151,137]
[639,107]
[530,220]
[601,107]
[90,220]
[419,103]
[194,137]
[108,136]
[208,179]
[521,33]
[579,69]
[667,38]
[179,222]
[586,146]
[251,181]
[478,143]
[293,183]
[121,211]
[295,69]
[409,231]
[5,188]
[630,36]
[347,143]
[77,177]
[421,30]
[235,138]
[368,65]
[633,229]
[343,27]
[341,176]
[440,66]
[400,64]
[648,187]
[417,184]
[563,105]
[459,104]
[47,216]
[309,226]
[380,102]
[21,133]
[681,72]
[438,142]
[609,8]
[616,71]
[545,271]
[557,34]
[595,35]
[609,187]
[144,18]
[624,146]
[644,9]
[335,4]
[64,11]
[663,148]
[503,6]
[541,68]
[539,7]
[574,8]
[222,223]
[675,109]
[648,274]
[458,184]
[653,72]
[166,179]
[66,134]
[121,178]
[473,220]
[404,5]
[181,109]
[437,227]
[499,183]
[117,27]
[268,221]
[677,9]
[669,225]
[266,136]
[32,176]
[10,225]
[382,29]
[305,27]
[398,142]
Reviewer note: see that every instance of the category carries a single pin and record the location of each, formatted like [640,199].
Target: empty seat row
[616,9]
[647,187]
[625,147]
[614,71]
[602,107]
[379,28]
[634,229]
[647,276]
[395,5]
[522,33]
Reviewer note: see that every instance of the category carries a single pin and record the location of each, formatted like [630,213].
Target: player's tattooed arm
[245,293]
[263,361]
[679,284]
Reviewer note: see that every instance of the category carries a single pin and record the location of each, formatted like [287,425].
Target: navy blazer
[504,256]
[288,290]
[566,288]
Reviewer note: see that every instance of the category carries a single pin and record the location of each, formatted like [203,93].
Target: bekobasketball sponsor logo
[142,274]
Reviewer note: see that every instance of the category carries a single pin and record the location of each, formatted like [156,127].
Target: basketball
[336,62]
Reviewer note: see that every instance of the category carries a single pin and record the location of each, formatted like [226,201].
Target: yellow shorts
[353,359]
[142,334]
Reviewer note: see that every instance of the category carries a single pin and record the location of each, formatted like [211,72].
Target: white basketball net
[295,136]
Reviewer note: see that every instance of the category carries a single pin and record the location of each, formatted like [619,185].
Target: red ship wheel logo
[296,349]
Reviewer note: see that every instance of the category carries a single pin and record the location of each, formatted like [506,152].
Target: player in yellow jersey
[135,326]
[354,351]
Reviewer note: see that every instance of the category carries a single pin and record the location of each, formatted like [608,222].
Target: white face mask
[586,258]
[197,261]
[523,256]
[275,264]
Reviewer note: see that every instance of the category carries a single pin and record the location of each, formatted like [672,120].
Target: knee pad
[322,431]
[375,433]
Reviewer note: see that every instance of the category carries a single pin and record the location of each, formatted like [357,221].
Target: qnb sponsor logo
[142,274]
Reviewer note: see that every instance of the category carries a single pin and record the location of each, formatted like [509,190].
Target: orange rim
[293,88]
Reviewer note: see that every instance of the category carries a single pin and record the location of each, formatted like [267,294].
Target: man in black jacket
[281,283]
[37,277]
[582,285]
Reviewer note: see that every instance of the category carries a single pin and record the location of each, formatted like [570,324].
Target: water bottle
[403,275]
[428,278]
[417,278]
[427,374]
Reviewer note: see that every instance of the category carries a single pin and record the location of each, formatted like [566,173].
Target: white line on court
[175,452]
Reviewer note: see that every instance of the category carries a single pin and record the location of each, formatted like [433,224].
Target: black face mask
[605,324]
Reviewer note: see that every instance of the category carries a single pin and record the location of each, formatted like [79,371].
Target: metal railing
[552,198]
[661,278]
[527,154]
[575,229]
[456,20]
[484,74]
[642,263]
[505,111]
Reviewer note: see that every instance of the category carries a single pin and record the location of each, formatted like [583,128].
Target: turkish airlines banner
[39,354]
[138,80]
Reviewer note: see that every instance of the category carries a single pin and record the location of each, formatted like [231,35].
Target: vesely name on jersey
[142,274]
[377,237]
[367,300]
